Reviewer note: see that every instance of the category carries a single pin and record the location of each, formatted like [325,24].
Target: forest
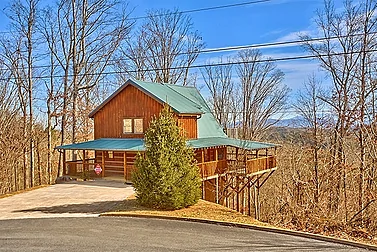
[58,61]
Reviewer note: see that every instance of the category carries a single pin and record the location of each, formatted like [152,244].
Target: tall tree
[346,55]
[83,45]
[164,48]
[19,53]
[264,94]
[311,107]
[218,80]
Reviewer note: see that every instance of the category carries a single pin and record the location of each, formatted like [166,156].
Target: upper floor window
[138,125]
[133,125]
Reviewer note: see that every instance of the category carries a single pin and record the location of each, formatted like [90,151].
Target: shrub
[167,176]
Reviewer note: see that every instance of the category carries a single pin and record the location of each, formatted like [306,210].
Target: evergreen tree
[167,176]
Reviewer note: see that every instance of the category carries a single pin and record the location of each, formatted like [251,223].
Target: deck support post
[103,164]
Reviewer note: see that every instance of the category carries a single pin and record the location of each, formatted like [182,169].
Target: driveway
[135,234]
[72,199]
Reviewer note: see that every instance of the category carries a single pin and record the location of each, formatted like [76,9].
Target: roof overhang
[132,144]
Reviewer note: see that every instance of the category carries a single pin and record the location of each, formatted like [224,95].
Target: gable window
[127,125]
[138,125]
[133,125]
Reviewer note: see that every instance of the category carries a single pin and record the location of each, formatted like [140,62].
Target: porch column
[217,189]
[103,164]
[64,164]
[125,165]
[83,160]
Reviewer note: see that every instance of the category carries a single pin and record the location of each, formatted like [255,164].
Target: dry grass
[202,210]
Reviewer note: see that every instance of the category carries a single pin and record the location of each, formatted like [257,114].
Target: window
[133,126]
[111,154]
[138,125]
[127,125]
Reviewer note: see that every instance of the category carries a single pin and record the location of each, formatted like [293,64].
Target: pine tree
[167,176]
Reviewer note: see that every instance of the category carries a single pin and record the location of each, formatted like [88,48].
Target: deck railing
[211,168]
[260,164]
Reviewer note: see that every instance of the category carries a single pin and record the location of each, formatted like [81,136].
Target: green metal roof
[225,141]
[130,144]
[163,93]
[182,99]
[207,123]
[103,144]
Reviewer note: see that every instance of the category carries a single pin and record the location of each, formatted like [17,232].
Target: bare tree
[164,48]
[218,80]
[346,55]
[19,53]
[83,42]
[264,94]
[310,106]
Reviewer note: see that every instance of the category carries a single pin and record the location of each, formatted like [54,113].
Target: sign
[97,169]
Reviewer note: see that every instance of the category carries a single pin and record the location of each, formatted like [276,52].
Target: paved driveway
[72,199]
[134,234]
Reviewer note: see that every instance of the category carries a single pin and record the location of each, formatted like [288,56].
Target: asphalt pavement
[140,234]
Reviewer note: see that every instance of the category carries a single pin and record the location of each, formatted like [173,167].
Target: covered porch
[215,156]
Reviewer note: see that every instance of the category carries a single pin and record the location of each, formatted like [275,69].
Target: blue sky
[268,22]
[277,20]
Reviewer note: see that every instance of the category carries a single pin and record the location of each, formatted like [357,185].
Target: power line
[188,11]
[206,9]
[205,65]
[232,48]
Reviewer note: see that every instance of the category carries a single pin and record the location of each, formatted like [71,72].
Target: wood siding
[133,103]
[189,126]
[130,103]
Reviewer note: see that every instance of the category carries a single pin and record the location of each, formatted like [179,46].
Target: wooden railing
[260,164]
[211,168]
[77,166]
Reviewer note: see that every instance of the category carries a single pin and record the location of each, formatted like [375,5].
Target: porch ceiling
[130,144]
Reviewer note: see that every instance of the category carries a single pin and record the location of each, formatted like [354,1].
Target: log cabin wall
[130,103]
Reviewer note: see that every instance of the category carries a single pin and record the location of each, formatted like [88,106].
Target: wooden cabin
[121,120]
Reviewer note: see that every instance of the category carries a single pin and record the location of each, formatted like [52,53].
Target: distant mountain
[294,122]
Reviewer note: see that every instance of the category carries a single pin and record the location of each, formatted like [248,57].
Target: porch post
[64,164]
[217,189]
[103,164]
[83,160]
[125,165]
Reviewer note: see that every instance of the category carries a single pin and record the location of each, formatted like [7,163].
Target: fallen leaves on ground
[202,210]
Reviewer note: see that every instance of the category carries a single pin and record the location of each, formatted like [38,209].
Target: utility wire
[205,9]
[189,11]
[203,65]
[230,48]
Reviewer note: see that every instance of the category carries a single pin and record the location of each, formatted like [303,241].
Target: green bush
[167,176]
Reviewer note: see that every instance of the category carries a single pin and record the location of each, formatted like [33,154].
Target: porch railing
[76,167]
